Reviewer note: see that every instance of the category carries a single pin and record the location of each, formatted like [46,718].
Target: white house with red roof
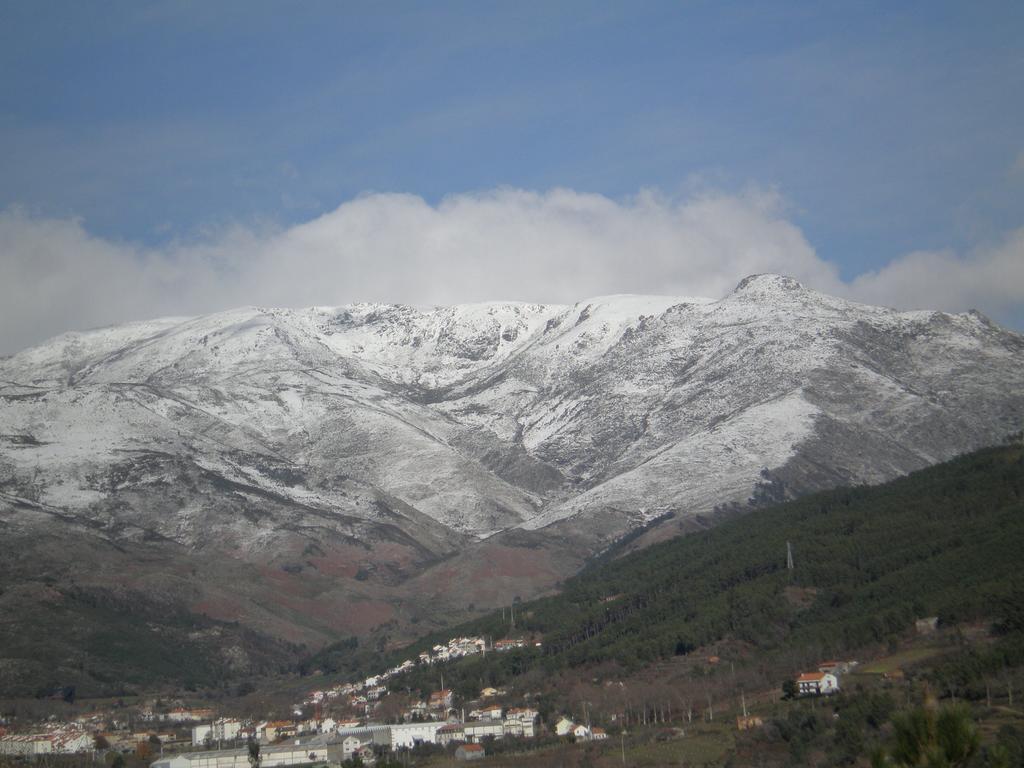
[817,683]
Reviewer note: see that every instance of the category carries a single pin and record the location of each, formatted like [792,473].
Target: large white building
[219,730]
[482,729]
[25,744]
[453,732]
[408,735]
[60,742]
[270,757]
[817,683]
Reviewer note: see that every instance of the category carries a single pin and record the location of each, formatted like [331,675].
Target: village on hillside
[346,724]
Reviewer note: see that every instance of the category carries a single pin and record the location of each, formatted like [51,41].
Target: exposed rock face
[339,460]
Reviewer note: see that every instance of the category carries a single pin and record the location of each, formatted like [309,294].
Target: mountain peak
[768,283]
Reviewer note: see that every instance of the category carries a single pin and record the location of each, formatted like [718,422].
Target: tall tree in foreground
[930,738]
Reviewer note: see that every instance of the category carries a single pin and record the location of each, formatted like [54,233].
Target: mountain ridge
[373,466]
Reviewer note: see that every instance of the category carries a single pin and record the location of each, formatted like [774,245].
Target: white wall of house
[25,745]
[446,737]
[350,745]
[270,757]
[478,731]
[826,683]
[407,734]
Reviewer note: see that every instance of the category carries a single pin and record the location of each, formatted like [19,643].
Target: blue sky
[883,128]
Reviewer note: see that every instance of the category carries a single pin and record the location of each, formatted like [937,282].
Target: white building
[218,730]
[817,683]
[564,727]
[351,744]
[26,744]
[274,730]
[478,731]
[525,714]
[453,732]
[182,715]
[520,722]
[520,728]
[408,735]
[513,728]
[270,757]
[67,741]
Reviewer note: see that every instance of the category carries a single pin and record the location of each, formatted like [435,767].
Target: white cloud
[557,246]
[990,278]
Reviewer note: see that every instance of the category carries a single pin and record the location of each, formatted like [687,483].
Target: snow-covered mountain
[381,448]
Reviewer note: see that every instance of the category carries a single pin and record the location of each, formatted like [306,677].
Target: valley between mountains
[256,483]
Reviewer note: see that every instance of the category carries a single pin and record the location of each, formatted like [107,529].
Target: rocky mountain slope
[306,472]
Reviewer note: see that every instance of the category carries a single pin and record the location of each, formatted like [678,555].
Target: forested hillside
[944,541]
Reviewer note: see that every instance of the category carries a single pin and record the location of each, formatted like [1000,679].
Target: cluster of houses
[75,736]
[288,743]
[363,694]
[267,732]
[364,742]
[567,727]
[367,740]
[490,723]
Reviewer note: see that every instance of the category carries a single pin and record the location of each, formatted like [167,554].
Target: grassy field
[902,659]
[703,745]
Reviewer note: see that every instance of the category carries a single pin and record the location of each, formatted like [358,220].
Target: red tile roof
[811,677]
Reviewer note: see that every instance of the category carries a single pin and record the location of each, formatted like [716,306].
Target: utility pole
[789,559]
